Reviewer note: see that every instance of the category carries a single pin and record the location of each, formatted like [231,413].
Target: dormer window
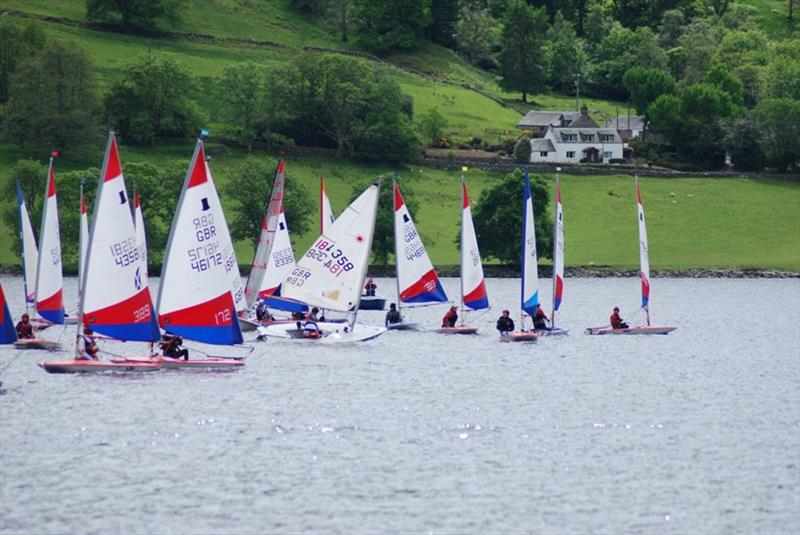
[607,138]
[587,138]
[569,138]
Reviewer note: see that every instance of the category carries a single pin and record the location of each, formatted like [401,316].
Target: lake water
[695,432]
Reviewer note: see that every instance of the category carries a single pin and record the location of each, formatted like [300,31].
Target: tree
[671,28]
[699,137]
[152,99]
[383,239]
[500,207]
[597,26]
[53,101]
[444,14]
[240,91]
[249,190]
[477,35]
[565,54]
[781,77]
[135,14]
[521,60]
[665,116]
[779,125]
[646,85]
[726,80]
[522,151]
[31,175]
[432,125]
[742,138]
[274,101]
[385,25]
[16,47]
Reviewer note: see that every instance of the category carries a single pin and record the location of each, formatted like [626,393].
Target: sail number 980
[330,257]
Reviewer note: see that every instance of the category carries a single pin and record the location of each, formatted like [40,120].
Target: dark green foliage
[779,132]
[53,101]
[477,35]
[385,25]
[383,240]
[742,142]
[723,78]
[566,56]
[522,151]
[646,85]
[248,194]
[444,15]
[135,14]
[621,50]
[153,99]
[522,68]
[432,125]
[31,175]
[635,13]
[498,218]
[782,74]
[16,47]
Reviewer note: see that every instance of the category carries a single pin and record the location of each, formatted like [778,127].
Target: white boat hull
[37,343]
[644,329]
[180,364]
[95,366]
[246,325]
[330,332]
[519,336]
[403,327]
[460,329]
[552,332]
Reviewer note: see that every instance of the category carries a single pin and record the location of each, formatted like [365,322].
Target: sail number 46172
[330,257]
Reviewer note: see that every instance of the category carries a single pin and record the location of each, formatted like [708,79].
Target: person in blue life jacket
[504,323]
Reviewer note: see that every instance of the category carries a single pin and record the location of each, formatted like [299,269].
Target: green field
[692,222]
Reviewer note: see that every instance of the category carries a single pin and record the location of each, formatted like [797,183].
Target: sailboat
[30,261]
[558,262]
[331,273]
[326,217]
[644,277]
[141,237]
[417,281]
[196,296]
[8,333]
[115,299]
[473,286]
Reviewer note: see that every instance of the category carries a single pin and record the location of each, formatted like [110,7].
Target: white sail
[473,287]
[49,279]
[83,241]
[258,269]
[30,253]
[417,281]
[530,260]
[281,259]
[196,295]
[326,217]
[644,260]
[331,273]
[558,253]
[141,237]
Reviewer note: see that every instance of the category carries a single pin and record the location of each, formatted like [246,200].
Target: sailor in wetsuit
[504,323]
[24,328]
[392,316]
[171,347]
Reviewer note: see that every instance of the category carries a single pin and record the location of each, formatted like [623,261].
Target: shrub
[522,150]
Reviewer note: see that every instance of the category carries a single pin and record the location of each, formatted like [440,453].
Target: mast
[396,243]
[644,260]
[558,252]
[461,292]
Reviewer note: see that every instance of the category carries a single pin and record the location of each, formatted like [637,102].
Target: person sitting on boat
[616,320]
[540,319]
[24,328]
[393,316]
[313,315]
[89,343]
[370,287]
[504,323]
[311,330]
[449,319]
[262,314]
[171,347]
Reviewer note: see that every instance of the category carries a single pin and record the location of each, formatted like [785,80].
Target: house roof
[621,123]
[596,132]
[542,145]
[540,119]
[583,121]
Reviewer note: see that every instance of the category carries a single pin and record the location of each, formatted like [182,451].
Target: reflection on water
[697,432]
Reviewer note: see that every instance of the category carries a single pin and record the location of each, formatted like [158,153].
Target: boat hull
[40,324]
[246,325]
[372,303]
[95,366]
[403,326]
[37,343]
[461,329]
[552,332]
[180,364]
[331,332]
[519,337]
[645,329]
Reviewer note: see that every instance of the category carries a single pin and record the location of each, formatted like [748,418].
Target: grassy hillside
[692,222]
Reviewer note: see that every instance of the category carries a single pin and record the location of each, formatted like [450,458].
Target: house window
[543,154]
[587,138]
[570,154]
[569,138]
[607,138]
[607,155]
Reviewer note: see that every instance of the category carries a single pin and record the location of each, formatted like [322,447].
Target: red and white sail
[83,241]
[529,257]
[49,280]
[30,253]
[417,281]
[196,297]
[473,287]
[326,217]
[644,260]
[115,296]
[141,237]
[256,281]
[331,273]
[281,260]
[558,252]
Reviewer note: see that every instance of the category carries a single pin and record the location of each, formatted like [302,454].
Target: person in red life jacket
[24,328]
[370,287]
[540,319]
[616,320]
[449,319]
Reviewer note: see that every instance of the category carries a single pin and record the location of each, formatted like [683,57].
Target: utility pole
[577,78]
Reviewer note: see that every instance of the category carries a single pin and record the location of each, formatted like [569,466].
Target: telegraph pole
[577,78]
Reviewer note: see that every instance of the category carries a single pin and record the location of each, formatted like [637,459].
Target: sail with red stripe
[326,217]
[141,237]
[8,333]
[473,286]
[196,298]
[49,279]
[281,260]
[644,259]
[256,281]
[116,300]
[529,258]
[558,251]
[417,281]
[30,253]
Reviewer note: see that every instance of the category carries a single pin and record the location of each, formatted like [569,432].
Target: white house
[573,145]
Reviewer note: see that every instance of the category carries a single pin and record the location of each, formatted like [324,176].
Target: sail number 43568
[330,257]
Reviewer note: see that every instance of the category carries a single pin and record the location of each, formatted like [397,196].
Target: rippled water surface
[695,432]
